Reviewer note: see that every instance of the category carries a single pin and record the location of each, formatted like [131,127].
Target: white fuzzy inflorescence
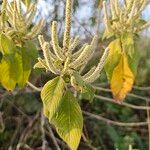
[67,59]
[17,23]
[124,18]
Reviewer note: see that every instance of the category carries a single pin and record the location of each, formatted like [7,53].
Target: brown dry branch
[130,94]
[28,130]
[141,88]
[116,123]
[121,104]
[19,123]
[52,136]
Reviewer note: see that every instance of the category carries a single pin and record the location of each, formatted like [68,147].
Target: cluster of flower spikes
[125,17]
[67,60]
[18,23]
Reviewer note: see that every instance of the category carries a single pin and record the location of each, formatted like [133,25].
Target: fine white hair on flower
[16,19]
[123,17]
[69,58]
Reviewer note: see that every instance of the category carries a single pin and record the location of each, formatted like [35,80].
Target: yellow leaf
[122,79]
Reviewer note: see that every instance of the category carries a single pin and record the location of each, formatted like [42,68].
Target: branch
[134,87]
[141,88]
[130,94]
[53,137]
[6,98]
[122,104]
[27,131]
[116,123]
[139,97]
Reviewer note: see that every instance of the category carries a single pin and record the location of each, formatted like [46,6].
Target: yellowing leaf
[51,95]
[7,45]
[113,57]
[5,76]
[10,71]
[63,111]
[122,79]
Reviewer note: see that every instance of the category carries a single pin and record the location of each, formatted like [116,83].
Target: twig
[34,87]
[15,134]
[122,104]
[23,145]
[2,126]
[139,97]
[76,19]
[53,137]
[44,142]
[18,109]
[130,94]
[134,87]
[63,144]
[25,134]
[116,123]
[141,88]
[6,98]
[87,141]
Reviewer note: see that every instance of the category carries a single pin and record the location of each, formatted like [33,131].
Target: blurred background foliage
[20,118]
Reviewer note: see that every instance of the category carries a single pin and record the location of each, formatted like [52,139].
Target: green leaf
[31,51]
[9,71]
[69,121]
[51,95]
[25,62]
[127,38]
[131,49]
[113,57]
[28,58]
[7,45]
[87,91]
[134,61]
[128,43]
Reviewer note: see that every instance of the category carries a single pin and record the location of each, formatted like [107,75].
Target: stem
[106,99]
[129,94]
[34,87]
[116,123]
